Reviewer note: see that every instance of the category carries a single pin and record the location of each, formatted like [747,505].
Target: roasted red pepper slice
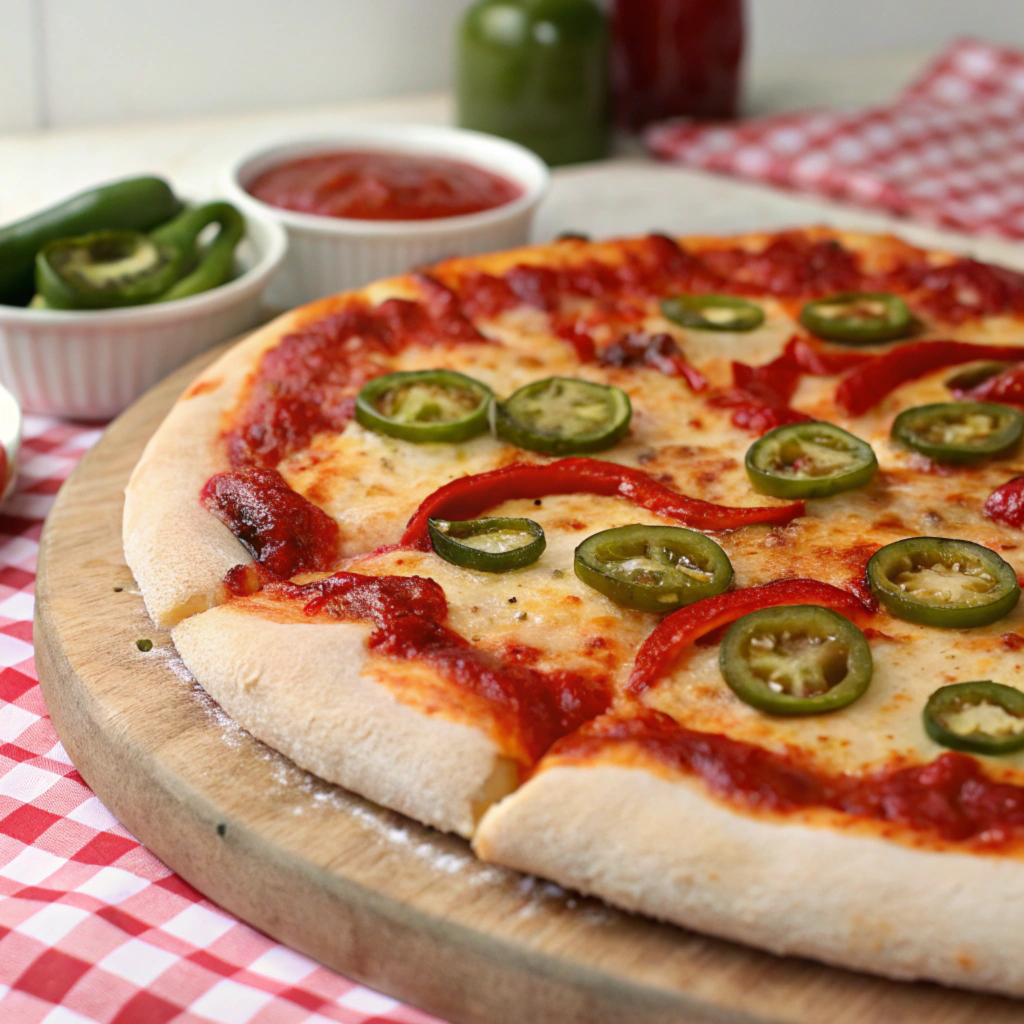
[1007,387]
[808,355]
[470,496]
[761,394]
[684,627]
[285,532]
[864,387]
[659,351]
[1006,504]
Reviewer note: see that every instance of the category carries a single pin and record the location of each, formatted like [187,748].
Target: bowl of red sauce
[376,201]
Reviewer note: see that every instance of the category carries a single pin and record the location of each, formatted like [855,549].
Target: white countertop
[37,169]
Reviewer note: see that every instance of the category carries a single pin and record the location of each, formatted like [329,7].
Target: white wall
[67,62]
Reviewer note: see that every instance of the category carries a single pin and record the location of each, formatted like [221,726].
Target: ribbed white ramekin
[332,254]
[91,364]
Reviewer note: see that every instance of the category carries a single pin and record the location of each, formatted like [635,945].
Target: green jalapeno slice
[796,660]
[712,312]
[951,584]
[425,406]
[488,545]
[809,460]
[653,568]
[858,318]
[562,415]
[959,432]
[980,717]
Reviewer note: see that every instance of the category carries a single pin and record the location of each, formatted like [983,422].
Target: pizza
[682,572]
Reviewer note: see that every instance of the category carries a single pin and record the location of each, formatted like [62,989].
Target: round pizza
[683,572]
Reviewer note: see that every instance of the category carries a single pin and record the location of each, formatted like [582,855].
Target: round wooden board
[398,906]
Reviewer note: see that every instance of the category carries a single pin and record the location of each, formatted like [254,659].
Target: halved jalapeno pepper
[653,568]
[951,584]
[809,460]
[712,312]
[425,406]
[563,414]
[959,432]
[796,660]
[858,318]
[980,717]
[488,545]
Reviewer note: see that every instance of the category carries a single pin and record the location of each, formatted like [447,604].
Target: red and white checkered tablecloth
[949,150]
[93,928]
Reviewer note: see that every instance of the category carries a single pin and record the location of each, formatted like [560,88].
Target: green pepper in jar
[536,72]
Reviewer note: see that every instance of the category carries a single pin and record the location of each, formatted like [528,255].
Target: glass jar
[536,72]
[676,58]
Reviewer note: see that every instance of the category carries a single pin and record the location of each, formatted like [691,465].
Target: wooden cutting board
[398,906]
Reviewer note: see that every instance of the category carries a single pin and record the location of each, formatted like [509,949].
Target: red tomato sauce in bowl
[382,186]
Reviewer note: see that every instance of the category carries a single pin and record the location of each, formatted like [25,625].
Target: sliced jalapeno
[980,717]
[858,318]
[976,373]
[488,545]
[425,406]
[952,584]
[712,312]
[809,460]
[562,414]
[796,660]
[653,568]
[959,432]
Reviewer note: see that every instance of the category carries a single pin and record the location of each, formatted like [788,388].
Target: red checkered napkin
[949,150]
[93,928]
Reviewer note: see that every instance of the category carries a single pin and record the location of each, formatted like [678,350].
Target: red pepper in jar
[676,58]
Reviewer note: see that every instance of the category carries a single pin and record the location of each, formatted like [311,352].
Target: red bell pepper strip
[1006,504]
[864,387]
[659,351]
[1007,387]
[811,357]
[470,495]
[679,630]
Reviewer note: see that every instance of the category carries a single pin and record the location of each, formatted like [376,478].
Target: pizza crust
[665,849]
[301,688]
[178,552]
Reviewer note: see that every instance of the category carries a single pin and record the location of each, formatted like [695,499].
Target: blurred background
[83,62]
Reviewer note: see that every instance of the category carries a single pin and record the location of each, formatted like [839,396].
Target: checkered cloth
[93,928]
[949,150]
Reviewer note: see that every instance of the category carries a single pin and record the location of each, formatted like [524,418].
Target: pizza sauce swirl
[308,382]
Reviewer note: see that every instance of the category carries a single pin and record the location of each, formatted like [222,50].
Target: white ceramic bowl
[10,439]
[92,364]
[332,254]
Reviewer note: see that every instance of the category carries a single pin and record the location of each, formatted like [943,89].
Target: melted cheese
[372,485]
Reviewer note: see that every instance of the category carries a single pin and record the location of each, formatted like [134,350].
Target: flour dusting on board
[442,853]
